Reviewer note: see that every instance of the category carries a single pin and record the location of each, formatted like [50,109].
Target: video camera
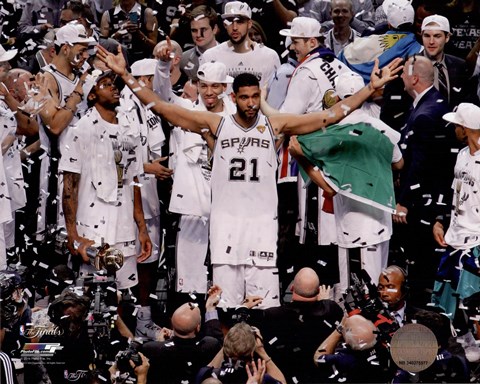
[362,298]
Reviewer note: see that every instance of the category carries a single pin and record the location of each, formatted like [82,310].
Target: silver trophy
[102,257]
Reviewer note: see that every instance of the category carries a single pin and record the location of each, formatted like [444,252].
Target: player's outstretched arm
[193,121]
[301,124]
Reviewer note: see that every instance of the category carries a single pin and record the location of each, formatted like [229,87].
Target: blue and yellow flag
[359,55]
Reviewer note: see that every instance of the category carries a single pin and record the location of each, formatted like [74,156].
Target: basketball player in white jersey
[191,192]
[64,81]
[243,215]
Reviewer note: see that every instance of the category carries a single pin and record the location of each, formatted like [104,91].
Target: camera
[123,358]
[362,298]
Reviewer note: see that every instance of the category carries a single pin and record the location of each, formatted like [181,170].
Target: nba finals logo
[32,332]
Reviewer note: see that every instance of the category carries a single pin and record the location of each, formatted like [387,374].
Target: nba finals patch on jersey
[261,128]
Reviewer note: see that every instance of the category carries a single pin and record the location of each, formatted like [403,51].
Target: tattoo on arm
[70,199]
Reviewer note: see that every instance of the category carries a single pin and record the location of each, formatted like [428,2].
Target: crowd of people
[238,192]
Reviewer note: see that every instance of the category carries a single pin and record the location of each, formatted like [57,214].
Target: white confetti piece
[273,340]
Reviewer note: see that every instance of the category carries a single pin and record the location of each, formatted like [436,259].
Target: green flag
[356,161]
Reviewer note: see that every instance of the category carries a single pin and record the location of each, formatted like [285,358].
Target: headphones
[404,287]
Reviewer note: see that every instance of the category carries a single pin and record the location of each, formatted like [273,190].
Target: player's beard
[246,117]
[242,39]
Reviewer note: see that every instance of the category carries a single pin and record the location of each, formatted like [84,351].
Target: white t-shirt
[261,61]
[94,146]
[464,229]
[358,224]
[191,192]
[152,139]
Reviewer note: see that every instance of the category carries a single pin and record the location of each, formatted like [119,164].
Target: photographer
[140,371]
[361,359]
[297,327]
[179,357]
[69,312]
[243,344]
[13,308]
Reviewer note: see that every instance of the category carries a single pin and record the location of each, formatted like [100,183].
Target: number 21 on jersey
[241,170]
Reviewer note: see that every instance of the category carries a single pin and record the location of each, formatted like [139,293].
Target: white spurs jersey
[244,223]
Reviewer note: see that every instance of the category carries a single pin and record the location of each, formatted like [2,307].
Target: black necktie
[442,80]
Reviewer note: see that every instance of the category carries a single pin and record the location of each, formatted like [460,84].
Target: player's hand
[145,244]
[161,172]
[380,77]
[115,62]
[78,246]
[439,234]
[295,148]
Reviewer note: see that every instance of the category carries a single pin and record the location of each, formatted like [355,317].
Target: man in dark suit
[426,177]
[450,72]
[294,330]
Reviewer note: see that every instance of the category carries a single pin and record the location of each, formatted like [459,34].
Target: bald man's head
[305,285]
[359,333]
[417,75]
[18,82]
[186,320]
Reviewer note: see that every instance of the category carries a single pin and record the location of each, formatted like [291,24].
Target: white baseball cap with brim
[400,12]
[72,33]
[92,79]
[435,23]
[144,67]
[237,9]
[348,83]
[303,27]
[466,114]
[214,72]
[7,55]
